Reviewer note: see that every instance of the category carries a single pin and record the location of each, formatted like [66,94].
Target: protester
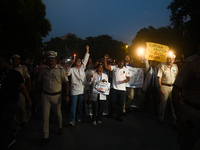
[129,90]
[63,63]
[98,98]
[78,82]
[10,81]
[166,76]
[118,90]
[51,79]
[151,87]
[90,65]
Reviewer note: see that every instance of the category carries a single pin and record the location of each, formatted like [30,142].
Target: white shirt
[167,74]
[119,75]
[95,79]
[151,75]
[78,77]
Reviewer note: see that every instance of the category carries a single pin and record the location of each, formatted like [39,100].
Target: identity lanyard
[99,77]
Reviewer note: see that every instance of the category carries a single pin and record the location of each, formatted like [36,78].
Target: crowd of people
[103,81]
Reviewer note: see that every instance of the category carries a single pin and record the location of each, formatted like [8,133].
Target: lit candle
[74,56]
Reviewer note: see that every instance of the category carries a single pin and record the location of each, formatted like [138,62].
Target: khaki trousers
[163,102]
[47,102]
[130,96]
[22,107]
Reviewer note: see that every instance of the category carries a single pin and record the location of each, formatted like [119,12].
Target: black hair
[5,57]
[100,64]
[62,57]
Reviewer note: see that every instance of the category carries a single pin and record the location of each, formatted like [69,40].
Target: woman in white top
[98,99]
[78,82]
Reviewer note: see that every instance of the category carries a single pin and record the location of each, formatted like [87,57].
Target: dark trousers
[188,134]
[7,126]
[117,102]
[97,109]
[152,92]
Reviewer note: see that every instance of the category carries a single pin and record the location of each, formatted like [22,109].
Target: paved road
[138,131]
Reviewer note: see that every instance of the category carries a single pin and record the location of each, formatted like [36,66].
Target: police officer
[50,79]
[187,106]
[22,112]
[166,75]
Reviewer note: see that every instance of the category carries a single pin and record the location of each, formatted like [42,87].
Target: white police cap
[51,54]
[15,56]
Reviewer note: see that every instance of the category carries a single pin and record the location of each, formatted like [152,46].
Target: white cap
[51,54]
[16,56]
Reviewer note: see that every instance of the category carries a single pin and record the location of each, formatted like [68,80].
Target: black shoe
[161,122]
[124,114]
[175,126]
[110,116]
[60,131]
[119,119]
[44,142]
[23,123]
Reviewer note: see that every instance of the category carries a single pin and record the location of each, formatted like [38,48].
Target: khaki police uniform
[21,99]
[188,79]
[51,80]
[168,76]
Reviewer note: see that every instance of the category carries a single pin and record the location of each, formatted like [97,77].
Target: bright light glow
[126,46]
[74,56]
[140,51]
[171,54]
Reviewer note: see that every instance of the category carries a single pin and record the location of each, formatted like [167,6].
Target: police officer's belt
[167,84]
[47,93]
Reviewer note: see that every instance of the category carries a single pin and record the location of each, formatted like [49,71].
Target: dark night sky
[121,19]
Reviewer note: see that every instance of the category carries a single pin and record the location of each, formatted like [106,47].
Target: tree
[104,44]
[22,26]
[70,44]
[163,35]
[185,16]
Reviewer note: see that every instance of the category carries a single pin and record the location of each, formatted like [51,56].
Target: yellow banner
[156,52]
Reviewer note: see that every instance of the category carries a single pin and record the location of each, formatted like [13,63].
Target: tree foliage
[70,44]
[163,35]
[185,16]
[22,25]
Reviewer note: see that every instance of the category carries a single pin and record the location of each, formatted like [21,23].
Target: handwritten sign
[136,77]
[156,52]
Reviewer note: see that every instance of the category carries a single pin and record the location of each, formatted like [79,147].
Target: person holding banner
[150,86]
[98,81]
[167,73]
[120,76]
[78,82]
